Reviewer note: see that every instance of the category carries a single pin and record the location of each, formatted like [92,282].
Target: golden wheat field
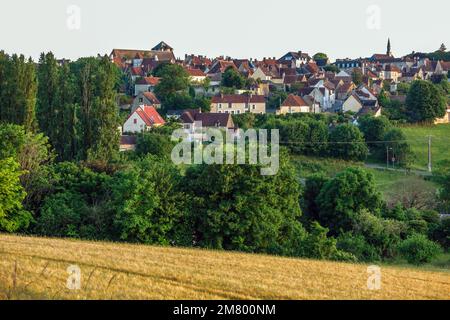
[36,268]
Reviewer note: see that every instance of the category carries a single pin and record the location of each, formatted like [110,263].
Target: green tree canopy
[347,142]
[344,196]
[425,102]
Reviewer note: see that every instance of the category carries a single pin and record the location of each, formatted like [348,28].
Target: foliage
[418,249]
[347,142]
[318,246]
[357,76]
[231,78]
[399,147]
[425,102]
[147,204]
[13,217]
[154,144]
[18,86]
[341,198]
[234,207]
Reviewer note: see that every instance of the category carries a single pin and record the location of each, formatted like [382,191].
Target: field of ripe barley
[36,268]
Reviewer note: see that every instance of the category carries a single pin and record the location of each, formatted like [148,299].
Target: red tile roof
[153,81]
[151,97]
[294,101]
[150,116]
[196,72]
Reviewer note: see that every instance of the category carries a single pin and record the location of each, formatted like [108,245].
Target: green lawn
[387,182]
[418,138]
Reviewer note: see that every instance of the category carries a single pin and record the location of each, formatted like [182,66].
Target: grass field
[36,268]
[387,182]
[418,138]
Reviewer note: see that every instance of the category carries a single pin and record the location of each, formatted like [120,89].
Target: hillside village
[361,161]
[301,82]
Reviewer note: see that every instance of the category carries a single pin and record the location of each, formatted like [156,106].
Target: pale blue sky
[238,28]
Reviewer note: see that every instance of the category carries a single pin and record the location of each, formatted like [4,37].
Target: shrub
[418,249]
[358,246]
[347,142]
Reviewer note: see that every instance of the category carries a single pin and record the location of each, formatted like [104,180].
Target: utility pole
[387,157]
[430,168]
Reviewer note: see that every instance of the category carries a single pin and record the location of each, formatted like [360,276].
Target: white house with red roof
[142,119]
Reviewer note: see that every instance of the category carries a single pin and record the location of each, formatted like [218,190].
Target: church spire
[388,52]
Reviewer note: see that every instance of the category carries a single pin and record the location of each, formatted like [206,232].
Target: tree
[425,102]
[12,215]
[398,146]
[234,207]
[347,142]
[155,144]
[174,79]
[18,88]
[418,249]
[320,56]
[331,68]
[231,78]
[313,186]
[48,108]
[148,204]
[357,76]
[374,130]
[344,196]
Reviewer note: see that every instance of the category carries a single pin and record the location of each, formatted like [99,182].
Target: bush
[344,196]
[318,246]
[418,249]
[441,233]
[154,144]
[358,246]
[347,142]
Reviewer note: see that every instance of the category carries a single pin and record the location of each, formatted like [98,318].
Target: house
[237,104]
[390,72]
[352,104]
[293,104]
[366,110]
[295,59]
[145,84]
[142,119]
[197,62]
[196,75]
[127,143]
[348,64]
[162,46]
[344,90]
[123,57]
[194,122]
[147,99]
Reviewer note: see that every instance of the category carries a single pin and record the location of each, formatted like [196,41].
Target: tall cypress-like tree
[18,88]
[66,142]
[105,112]
[47,96]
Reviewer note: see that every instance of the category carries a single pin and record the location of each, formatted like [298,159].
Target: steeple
[388,52]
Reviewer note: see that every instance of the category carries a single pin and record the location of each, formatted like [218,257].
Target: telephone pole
[430,168]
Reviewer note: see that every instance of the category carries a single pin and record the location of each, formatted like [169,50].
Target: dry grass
[35,268]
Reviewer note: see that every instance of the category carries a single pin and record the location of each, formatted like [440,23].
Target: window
[141,100]
[135,121]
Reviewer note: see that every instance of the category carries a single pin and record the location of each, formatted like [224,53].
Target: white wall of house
[238,108]
[259,74]
[134,124]
[351,104]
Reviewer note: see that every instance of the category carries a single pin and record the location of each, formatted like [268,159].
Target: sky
[236,28]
